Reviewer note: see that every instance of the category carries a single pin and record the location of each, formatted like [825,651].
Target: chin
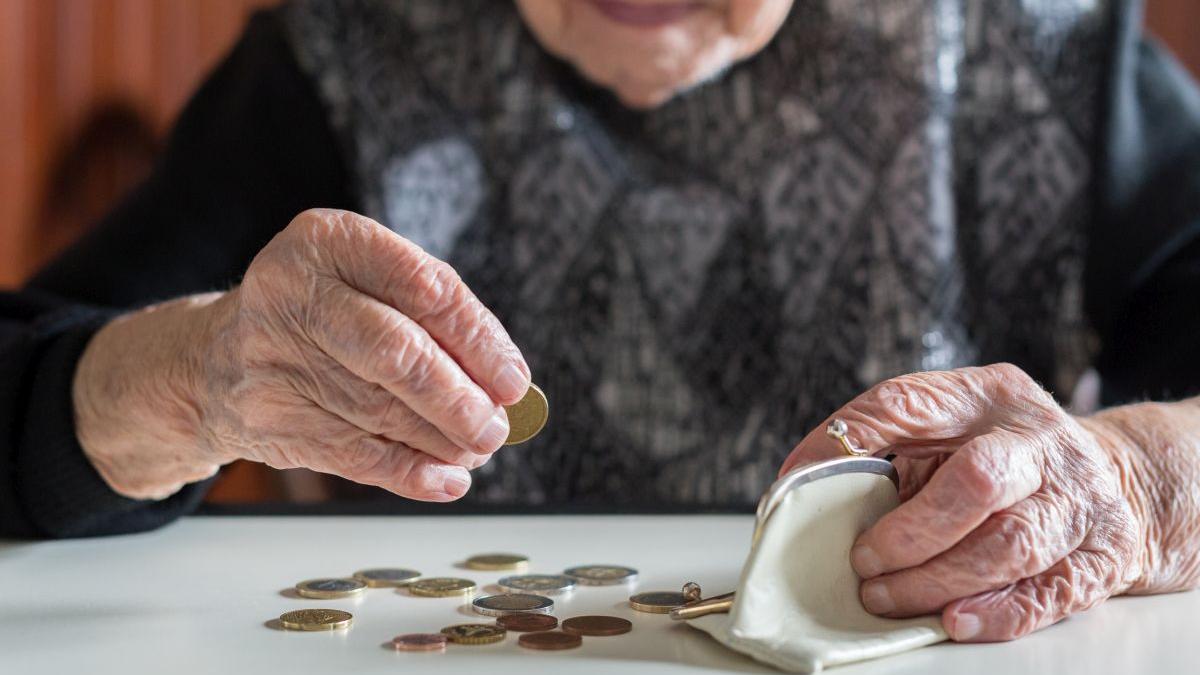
[643,96]
[639,98]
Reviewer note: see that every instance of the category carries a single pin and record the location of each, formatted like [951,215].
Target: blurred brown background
[88,88]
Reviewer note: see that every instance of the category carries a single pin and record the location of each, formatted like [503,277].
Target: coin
[441,587]
[512,603]
[527,416]
[541,584]
[474,633]
[602,575]
[315,619]
[420,642]
[549,640]
[596,625]
[497,561]
[657,602]
[328,589]
[525,622]
[382,577]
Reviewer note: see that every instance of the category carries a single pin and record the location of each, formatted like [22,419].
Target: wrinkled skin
[1016,514]
[346,349]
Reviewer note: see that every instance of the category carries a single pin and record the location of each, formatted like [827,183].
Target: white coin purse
[797,605]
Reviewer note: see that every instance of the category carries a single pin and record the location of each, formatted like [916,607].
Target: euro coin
[497,561]
[420,642]
[383,577]
[315,619]
[512,603]
[657,602]
[330,589]
[602,575]
[549,640]
[541,584]
[441,587]
[525,622]
[527,416]
[597,625]
[474,633]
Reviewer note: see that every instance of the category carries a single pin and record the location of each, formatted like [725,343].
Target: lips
[645,15]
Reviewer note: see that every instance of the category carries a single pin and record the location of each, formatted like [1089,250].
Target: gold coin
[497,561]
[315,619]
[474,633]
[441,587]
[385,577]
[527,416]
[512,603]
[330,589]
[602,575]
[660,602]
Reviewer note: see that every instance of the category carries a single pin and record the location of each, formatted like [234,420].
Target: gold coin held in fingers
[330,589]
[497,561]
[474,633]
[527,416]
[441,587]
[315,619]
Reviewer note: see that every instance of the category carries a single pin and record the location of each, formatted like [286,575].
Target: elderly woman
[703,227]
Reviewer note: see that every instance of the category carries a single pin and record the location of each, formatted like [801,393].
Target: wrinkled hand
[1015,515]
[347,350]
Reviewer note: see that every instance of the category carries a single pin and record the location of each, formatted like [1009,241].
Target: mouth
[645,15]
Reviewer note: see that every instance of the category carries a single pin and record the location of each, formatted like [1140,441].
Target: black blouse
[877,192]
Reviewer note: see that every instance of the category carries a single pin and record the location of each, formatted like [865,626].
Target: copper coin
[548,640]
[525,623]
[420,642]
[596,625]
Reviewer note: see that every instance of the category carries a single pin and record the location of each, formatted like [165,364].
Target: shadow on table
[685,645]
[15,549]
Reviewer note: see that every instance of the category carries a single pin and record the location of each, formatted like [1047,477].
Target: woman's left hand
[1016,514]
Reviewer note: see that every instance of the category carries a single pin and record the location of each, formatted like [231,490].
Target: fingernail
[494,433]
[866,562]
[876,598]
[511,384]
[966,626]
[457,483]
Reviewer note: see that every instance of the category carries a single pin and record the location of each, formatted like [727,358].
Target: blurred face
[646,51]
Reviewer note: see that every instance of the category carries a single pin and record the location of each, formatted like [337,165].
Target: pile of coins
[525,606]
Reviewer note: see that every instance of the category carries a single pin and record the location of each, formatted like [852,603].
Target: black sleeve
[1143,278]
[252,149]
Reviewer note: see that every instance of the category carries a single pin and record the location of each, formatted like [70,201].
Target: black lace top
[889,186]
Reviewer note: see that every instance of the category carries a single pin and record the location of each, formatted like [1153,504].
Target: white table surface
[199,597]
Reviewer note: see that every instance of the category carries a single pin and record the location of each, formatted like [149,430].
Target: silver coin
[512,603]
[327,589]
[602,575]
[386,576]
[540,584]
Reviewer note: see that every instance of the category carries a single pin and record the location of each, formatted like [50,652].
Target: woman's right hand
[346,349]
